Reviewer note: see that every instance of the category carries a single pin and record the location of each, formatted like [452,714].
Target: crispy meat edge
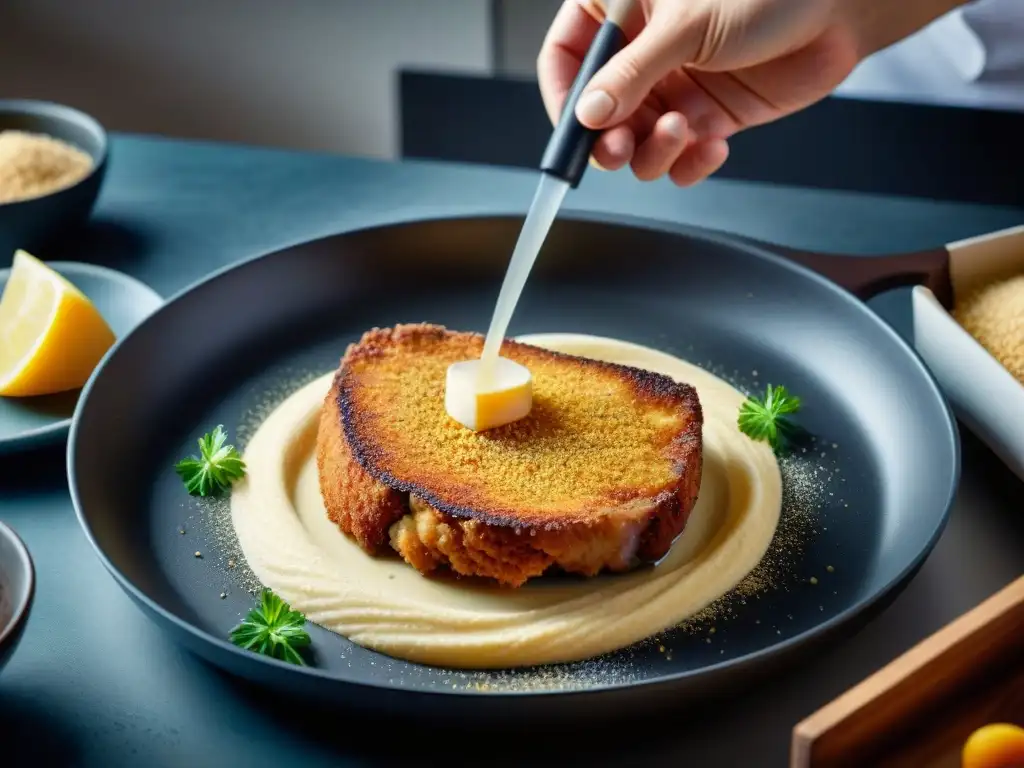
[672,507]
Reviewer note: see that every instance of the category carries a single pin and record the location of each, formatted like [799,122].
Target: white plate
[982,392]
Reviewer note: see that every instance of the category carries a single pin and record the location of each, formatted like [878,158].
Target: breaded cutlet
[601,475]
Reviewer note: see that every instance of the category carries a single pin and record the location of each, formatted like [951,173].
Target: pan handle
[867,276]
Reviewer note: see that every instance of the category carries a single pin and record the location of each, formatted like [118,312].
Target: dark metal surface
[95,682]
[878,147]
[876,413]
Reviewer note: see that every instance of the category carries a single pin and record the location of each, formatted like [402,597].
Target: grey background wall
[520,26]
[313,74]
[316,74]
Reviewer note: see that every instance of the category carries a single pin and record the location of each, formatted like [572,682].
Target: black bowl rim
[780,650]
[66,114]
[21,611]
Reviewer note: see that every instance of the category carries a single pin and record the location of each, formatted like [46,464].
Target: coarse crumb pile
[994,316]
[32,165]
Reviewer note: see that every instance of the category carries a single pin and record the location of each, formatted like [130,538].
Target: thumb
[621,85]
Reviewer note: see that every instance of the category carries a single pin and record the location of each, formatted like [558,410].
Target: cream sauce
[384,604]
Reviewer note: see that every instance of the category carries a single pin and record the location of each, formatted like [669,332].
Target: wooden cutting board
[920,709]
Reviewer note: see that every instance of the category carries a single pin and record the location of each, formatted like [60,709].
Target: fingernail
[673,125]
[595,164]
[595,107]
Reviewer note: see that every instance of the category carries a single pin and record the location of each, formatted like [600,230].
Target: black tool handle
[569,148]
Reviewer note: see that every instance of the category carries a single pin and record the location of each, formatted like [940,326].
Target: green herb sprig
[767,418]
[216,467]
[273,629]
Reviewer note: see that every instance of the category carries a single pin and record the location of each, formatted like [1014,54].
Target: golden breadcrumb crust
[605,469]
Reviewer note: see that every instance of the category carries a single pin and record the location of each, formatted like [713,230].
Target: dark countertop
[94,682]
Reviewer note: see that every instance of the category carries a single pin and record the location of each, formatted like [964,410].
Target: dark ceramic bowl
[32,224]
[17,588]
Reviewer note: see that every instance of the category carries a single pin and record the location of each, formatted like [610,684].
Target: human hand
[695,72]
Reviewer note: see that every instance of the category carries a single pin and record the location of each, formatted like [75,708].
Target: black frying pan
[219,347]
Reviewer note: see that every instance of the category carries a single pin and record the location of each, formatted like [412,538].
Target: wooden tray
[918,711]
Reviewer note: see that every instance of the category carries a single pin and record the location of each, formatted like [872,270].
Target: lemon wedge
[51,336]
[506,396]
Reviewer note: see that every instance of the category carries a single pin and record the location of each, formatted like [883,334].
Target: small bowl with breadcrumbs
[52,162]
[976,351]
